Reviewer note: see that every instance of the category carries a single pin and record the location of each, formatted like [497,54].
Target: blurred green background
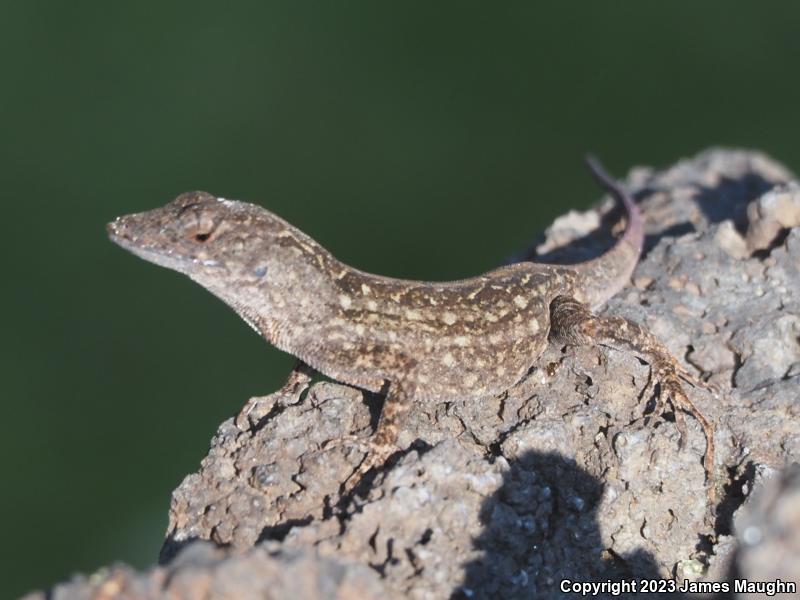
[425,140]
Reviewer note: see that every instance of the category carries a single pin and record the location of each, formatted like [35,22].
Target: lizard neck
[283,286]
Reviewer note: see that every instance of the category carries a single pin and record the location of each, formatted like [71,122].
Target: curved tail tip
[598,170]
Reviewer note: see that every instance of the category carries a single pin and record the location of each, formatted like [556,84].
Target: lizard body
[413,340]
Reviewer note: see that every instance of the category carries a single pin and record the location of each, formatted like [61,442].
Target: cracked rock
[568,475]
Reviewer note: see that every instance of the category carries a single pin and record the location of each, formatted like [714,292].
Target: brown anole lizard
[412,340]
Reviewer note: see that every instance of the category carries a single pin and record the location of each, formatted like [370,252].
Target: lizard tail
[605,275]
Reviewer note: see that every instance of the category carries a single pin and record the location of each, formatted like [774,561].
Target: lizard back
[465,338]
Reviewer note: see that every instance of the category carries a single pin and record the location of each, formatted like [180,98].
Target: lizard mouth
[116,231]
[121,233]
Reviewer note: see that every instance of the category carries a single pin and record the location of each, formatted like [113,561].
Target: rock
[201,571]
[560,477]
[768,535]
[776,211]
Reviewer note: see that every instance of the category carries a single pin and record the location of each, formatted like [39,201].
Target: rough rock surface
[768,531]
[565,476]
[203,571]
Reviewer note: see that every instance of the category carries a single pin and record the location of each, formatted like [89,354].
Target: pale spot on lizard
[405,339]
[461,340]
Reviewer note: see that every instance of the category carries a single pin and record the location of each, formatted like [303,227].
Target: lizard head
[199,235]
[252,259]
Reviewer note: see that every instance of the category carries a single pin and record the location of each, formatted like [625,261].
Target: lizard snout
[116,228]
[127,230]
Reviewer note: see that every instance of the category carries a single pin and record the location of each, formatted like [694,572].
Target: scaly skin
[415,340]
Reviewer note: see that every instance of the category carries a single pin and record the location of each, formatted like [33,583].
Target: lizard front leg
[383,443]
[573,323]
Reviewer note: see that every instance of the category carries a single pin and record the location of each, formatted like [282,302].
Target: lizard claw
[252,411]
[296,383]
[668,377]
[375,456]
[695,381]
[670,391]
[661,397]
[348,440]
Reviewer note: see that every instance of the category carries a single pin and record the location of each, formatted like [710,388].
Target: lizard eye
[202,227]
[197,217]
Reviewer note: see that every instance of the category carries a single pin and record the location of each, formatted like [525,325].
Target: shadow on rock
[541,528]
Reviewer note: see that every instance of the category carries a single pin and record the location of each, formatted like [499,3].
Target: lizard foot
[358,442]
[695,381]
[253,411]
[667,378]
[374,456]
